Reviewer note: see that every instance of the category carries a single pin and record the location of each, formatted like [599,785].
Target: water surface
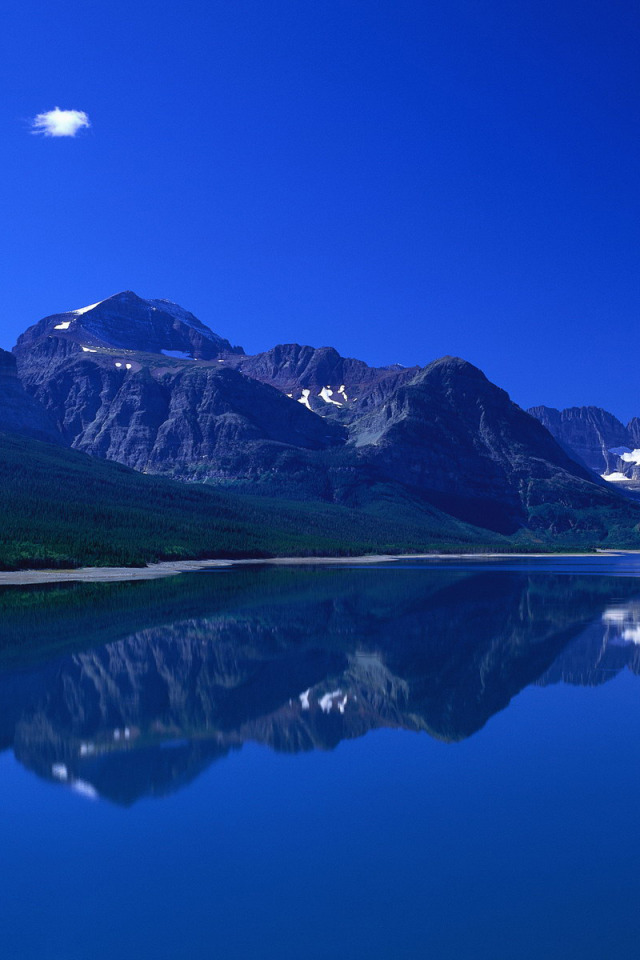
[401,760]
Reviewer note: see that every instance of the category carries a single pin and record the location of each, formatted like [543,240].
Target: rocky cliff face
[588,433]
[322,380]
[633,428]
[187,421]
[598,439]
[19,412]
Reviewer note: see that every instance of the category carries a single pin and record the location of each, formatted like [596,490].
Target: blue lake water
[410,760]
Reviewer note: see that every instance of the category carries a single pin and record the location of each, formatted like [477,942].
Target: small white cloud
[60,123]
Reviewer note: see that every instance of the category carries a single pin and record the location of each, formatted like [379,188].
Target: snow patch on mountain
[82,310]
[179,313]
[326,393]
[625,455]
[615,477]
[304,399]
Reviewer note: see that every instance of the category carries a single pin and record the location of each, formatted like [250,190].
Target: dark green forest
[65,509]
[61,508]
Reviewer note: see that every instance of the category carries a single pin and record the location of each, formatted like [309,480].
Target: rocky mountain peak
[126,321]
[454,368]
[633,429]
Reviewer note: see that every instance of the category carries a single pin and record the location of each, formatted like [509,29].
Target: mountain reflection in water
[130,690]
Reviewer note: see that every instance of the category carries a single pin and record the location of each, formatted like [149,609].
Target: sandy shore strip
[171,568]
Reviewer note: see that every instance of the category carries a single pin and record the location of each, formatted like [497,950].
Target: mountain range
[146,385]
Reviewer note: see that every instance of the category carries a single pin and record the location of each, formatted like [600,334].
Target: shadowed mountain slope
[19,412]
[458,438]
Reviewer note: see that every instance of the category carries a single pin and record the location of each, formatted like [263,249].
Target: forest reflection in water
[131,690]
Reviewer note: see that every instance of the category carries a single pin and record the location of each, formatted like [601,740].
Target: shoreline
[170,568]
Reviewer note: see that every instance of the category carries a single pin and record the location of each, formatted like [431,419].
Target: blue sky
[398,179]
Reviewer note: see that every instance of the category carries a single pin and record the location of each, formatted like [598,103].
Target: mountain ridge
[304,423]
[596,438]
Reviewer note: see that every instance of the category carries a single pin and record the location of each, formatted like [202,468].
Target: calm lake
[402,761]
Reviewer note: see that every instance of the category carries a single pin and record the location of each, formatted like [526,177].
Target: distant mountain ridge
[146,384]
[595,437]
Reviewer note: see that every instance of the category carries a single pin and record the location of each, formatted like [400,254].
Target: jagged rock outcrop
[633,429]
[321,379]
[586,433]
[19,412]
